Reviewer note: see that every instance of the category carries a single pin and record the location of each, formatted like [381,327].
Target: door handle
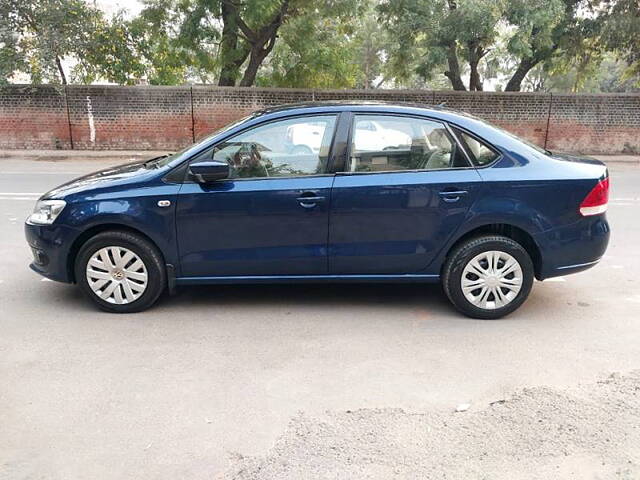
[309,200]
[451,196]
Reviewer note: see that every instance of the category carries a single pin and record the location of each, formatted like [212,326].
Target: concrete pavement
[193,387]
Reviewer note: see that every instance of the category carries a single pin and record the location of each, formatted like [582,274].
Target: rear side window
[481,153]
[384,143]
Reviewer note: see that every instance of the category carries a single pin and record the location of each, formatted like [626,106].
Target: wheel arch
[508,230]
[93,231]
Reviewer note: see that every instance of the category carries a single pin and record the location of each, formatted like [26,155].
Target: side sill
[307,279]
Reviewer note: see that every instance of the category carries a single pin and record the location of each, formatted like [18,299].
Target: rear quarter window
[481,153]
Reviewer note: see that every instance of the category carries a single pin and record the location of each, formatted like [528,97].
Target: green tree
[435,34]
[36,35]
[313,52]
[236,35]
[542,30]
[442,32]
[621,33]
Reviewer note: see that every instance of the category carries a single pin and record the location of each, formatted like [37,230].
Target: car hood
[109,177]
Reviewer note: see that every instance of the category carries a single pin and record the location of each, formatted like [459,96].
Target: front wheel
[488,277]
[120,272]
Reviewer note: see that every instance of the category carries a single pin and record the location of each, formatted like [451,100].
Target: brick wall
[595,123]
[33,117]
[113,117]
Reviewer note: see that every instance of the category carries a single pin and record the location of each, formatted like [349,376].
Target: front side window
[481,153]
[285,148]
[388,143]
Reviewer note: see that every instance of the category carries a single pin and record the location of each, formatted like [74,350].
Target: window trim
[328,167]
[455,139]
[472,158]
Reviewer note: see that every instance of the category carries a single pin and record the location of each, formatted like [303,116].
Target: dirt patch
[591,431]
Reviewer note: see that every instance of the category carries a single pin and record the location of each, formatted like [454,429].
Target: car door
[396,204]
[271,216]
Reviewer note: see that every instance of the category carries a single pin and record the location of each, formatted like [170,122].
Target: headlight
[46,211]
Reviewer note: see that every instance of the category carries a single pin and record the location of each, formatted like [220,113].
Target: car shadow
[347,294]
[415,299]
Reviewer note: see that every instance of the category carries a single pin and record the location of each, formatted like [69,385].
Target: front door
[403,193]
[271,216]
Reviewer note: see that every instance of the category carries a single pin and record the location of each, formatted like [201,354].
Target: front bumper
[50,245]
[573,248]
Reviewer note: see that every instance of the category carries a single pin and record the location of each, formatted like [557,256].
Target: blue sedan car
[330,192]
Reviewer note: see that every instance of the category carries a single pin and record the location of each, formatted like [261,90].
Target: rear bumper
[50,245]
[573,248]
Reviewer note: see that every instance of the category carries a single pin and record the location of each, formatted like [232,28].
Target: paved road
[206,379]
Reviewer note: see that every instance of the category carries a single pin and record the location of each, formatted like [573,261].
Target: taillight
[596,201]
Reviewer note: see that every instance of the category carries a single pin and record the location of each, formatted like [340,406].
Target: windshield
[160,162]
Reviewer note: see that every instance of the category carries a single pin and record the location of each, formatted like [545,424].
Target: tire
[503,294]
[131,283]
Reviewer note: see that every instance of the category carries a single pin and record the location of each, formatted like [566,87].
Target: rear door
[400,196]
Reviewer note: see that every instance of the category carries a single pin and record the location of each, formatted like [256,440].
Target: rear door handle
[451,196]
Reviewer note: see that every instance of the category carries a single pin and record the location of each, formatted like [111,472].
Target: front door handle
[309,199]
[451,196]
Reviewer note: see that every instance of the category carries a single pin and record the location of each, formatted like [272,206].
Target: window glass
[481,153]
[387,143]
[284,148]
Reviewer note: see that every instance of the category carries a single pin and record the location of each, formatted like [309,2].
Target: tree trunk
[515,82]
[453,74]
[262,42]
[474,76]
[231,56]
[257,56]
[475,55]
[63,77]
[255,60]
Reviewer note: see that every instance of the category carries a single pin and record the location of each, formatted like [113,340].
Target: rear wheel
[488,277]
[120,272]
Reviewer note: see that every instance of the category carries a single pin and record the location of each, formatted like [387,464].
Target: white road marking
[19,194]
[46,280]
[43,173]
[555,279]
[617,266]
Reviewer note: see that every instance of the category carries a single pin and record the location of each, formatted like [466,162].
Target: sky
[133,7]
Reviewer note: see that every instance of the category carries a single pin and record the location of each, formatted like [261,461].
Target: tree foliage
[35,35]
[461,44]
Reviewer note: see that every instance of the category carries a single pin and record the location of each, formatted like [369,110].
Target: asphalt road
[217,379]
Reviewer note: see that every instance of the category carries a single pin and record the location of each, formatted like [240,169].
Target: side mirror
[209,171]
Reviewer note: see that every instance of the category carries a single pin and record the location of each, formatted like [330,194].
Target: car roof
[343,105]
[433,111]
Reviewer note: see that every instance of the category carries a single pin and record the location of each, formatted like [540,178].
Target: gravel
[590,431]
